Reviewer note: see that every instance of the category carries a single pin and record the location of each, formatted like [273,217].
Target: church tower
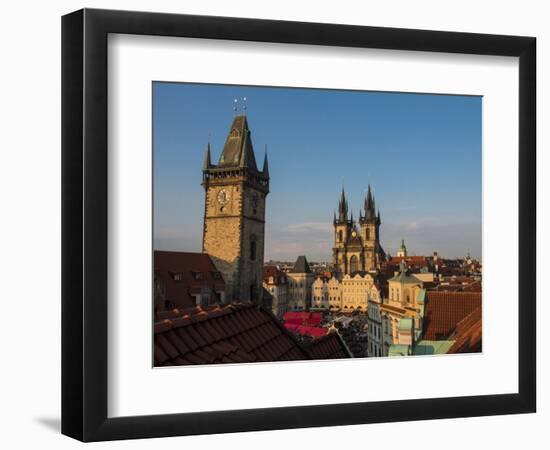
[342,232]
[234,213]
[356,249]
[370,229]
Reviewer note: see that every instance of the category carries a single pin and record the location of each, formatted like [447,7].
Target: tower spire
[369,204]
[207,162]
[343,207]
[265,169]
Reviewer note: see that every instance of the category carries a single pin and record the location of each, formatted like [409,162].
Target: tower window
[253,250]
[354,264]
[340,236]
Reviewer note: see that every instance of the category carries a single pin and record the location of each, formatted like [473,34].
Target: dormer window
[197,275]
[176,276]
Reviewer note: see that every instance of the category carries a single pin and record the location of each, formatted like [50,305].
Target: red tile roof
[184,273]
[330,346]
[235,333]
[279,277]
[444,310]
[414,262]
[474,286]
[467,334]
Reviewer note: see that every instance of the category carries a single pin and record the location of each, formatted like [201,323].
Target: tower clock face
[223,197]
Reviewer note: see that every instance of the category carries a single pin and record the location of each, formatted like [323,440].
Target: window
[340,236]
[177,276]
[253,250]
[354,264]
[197,275]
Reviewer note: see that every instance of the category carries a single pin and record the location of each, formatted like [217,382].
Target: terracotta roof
[235,333]
[184,273]
[474,286]
[444,310]
[467,334]
[396,260]
[330,346]
[279,277]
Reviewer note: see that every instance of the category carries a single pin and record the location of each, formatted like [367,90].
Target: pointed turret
[343,208]
[237,159]
[369,205]
[265,169]
[378,218]
[207,162]
[238,150]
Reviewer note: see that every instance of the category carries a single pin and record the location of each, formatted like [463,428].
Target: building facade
[349,294]
[356,288]
[401,303]
[275,282]
[185,279]
[374,324]
[356,245]
[234,213]
[300,282]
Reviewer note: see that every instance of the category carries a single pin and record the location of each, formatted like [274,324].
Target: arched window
[353,264]
[367,234]
[340,236]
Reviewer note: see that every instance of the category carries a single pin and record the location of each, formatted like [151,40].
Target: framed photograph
[273,224]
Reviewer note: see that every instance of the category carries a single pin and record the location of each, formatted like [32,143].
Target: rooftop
[184,274]
[301,265]
[444,310]
[235,333]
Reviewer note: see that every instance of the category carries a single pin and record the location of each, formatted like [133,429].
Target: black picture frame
[84,224]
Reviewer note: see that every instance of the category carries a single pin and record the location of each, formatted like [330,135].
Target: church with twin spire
[357,244]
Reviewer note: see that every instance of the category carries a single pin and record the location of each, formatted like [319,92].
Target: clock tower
[234,213]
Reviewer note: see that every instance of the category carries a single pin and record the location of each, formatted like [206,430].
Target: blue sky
[421,154]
